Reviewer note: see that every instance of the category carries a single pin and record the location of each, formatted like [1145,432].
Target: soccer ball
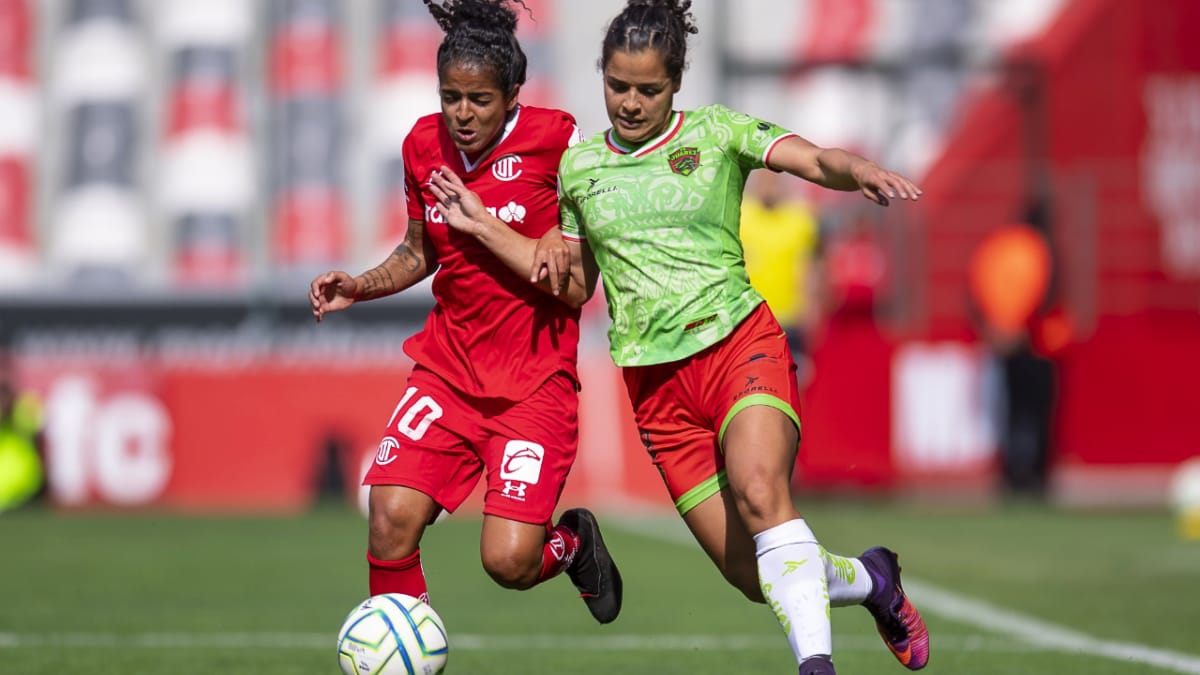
[393,634]
[1185,497]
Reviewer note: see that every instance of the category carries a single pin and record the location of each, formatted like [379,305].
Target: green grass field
[1020,590]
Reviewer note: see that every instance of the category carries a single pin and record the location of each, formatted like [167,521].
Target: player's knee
[393,533]
[760,501]
[511,569]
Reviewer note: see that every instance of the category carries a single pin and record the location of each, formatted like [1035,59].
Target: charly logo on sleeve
[594,191]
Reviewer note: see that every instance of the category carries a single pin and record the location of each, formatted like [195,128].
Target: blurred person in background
[856,272]
[652,206]
[779,236]
[21,472]
[494,388]
[1010,273]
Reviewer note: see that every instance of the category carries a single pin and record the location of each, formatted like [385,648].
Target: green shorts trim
[714,484]
[704,490]
[758,399]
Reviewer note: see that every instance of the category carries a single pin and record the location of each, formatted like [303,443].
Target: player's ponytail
[481,33]
[663,25]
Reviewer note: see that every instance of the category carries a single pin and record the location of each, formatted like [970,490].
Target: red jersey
[492,333]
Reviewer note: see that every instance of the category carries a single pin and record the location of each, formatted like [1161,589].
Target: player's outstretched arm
[839,169]
[464,211]
[410,262]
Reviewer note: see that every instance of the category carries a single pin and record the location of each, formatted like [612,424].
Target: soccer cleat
[817,665]
[899,623]
[593,571]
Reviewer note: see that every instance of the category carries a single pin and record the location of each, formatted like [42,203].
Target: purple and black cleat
[899,623]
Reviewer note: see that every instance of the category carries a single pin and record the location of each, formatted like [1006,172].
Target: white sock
[791,571]
[849,582]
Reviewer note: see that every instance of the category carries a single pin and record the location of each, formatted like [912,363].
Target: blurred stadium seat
[101,75]
[207,183]
[18,145]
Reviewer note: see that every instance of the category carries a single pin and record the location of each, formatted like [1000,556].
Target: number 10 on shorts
[424,408]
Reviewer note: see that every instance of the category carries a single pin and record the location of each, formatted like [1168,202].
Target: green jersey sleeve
[575,163]
[750,139]
[568,215]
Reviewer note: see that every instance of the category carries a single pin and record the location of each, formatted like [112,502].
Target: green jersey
[662,222]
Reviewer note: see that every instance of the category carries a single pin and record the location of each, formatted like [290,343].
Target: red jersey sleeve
[412,189]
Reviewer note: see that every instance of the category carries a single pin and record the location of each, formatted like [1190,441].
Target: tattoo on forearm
[409,261]
[380,281]
[377,282]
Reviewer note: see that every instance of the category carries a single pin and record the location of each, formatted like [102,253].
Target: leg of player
[719,529]
[397,520]
[849,582]
[760,450]
[716,524]
[872,580]
[521,555]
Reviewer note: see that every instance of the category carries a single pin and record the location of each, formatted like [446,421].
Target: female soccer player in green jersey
[652,207]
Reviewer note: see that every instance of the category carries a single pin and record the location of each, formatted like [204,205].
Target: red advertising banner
[242,433]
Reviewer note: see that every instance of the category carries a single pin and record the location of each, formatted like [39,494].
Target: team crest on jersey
[507,168]
[684,160]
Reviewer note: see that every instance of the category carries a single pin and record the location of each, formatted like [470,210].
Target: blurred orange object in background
[1009,273]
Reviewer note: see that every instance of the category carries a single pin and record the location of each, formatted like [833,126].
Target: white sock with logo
[849,582]
[791,571]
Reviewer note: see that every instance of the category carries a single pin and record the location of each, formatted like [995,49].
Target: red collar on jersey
[649,146]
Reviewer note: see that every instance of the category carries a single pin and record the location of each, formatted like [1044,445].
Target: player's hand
[331,292]
[462,209]
[551,260]
[880,185]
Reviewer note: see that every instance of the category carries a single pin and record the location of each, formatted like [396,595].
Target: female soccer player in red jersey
[494,387]
[651,206]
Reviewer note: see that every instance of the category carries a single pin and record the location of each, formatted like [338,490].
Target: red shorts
[439,440]
[682,407]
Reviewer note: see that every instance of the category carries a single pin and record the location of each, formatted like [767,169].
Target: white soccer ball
[1185,486]
[393,634]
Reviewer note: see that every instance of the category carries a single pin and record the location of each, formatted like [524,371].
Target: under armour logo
[514,489]
[751,379]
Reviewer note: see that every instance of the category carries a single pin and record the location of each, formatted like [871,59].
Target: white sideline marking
[469,642]
[1034,631]
[931,599]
